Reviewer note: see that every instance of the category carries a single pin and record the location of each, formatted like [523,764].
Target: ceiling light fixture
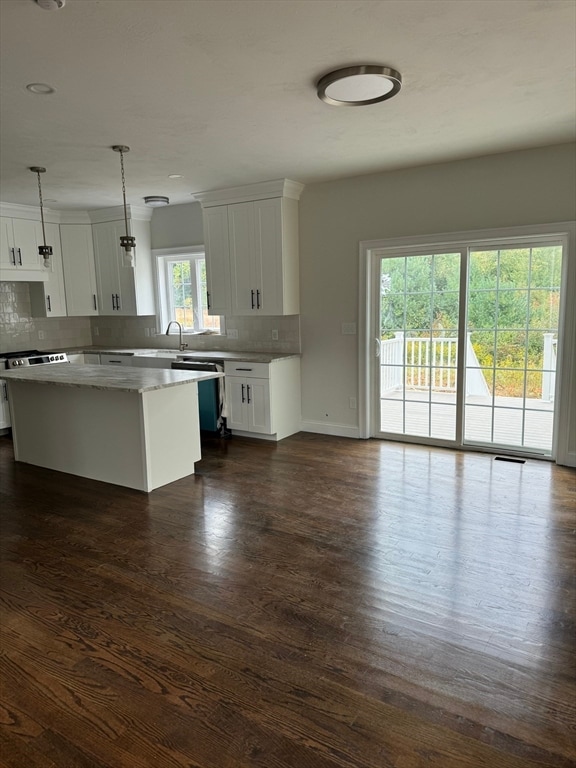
[126,241]
[40,89]
[175,176]
[156,201]
[45,251]
[51,5]
[359,86]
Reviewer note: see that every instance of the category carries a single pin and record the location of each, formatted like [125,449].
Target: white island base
[140,440]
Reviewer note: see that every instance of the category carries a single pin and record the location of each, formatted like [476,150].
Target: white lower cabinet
[248,404]
[48,299]
[4,407]
[263,399]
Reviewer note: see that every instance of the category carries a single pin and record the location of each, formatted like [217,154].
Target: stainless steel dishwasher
[210,397]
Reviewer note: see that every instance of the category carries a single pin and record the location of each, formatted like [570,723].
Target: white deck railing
[430,363]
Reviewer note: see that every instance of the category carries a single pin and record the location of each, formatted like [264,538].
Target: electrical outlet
[352,402]
[274,335]
[41,335]
[146,331]
[232,333]
[95,331]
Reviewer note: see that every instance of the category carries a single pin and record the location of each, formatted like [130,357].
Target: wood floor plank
[321,602]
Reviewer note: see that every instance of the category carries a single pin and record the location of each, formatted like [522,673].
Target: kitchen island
[134,427]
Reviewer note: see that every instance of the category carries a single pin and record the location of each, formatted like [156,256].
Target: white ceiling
[222,91]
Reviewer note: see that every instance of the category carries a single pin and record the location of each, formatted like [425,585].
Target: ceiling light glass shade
[359,86]
[41,89]
[156,201]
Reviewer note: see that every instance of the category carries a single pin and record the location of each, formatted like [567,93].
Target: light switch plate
[232,333]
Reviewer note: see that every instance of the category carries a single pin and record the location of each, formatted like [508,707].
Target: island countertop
[105,377]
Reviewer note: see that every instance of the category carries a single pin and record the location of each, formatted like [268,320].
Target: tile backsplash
[20,331]
[254,334]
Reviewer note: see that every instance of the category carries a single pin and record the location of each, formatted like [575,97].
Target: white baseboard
[325,428]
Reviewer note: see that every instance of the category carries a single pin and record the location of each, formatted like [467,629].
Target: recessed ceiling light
[156,201]
[359,86]
[40,88]
[176,176]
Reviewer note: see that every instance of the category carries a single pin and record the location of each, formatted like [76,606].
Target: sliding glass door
[467,342]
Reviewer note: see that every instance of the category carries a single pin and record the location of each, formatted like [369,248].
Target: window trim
[162,257]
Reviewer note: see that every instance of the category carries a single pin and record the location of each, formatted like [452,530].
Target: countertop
[193,354]
[106,377]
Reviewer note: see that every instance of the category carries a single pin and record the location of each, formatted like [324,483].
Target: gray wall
[512,189]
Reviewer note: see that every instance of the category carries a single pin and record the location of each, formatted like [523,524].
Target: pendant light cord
[41,207]
[124,189]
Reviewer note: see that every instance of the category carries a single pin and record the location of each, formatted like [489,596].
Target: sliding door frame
[563,232]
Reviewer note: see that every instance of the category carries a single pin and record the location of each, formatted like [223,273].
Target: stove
[16,360]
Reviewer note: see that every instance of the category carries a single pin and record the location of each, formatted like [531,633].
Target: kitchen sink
[168,353]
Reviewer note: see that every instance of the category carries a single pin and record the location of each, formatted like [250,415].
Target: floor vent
[509,458]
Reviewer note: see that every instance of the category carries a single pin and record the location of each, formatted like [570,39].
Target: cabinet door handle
[4,391]
[113,302]
[208,299]
[242,369]
[257,299]
[117,301]
[94,297]
[19,256]
[248,392]
[252,294]
[243,399]
[13,256]
[115,362]
[48,303]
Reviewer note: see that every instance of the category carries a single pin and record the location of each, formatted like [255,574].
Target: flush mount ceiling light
[359,86]
[175,176]
[127,242]
[40,89]
[45,251]
[156,201]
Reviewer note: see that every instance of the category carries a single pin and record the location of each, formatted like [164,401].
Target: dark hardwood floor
[317,603]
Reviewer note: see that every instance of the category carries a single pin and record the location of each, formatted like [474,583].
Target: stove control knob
[52,358]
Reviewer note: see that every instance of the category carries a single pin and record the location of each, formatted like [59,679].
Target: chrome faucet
[182,345]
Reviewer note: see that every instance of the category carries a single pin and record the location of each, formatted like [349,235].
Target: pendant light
[127,242]
[45,251]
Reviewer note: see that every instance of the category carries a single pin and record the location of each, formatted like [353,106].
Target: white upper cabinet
[217,260]
[19,257]
[79,269]
[48,299]
[123,289]
[253,267]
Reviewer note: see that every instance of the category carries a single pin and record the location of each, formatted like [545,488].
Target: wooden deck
[438,419]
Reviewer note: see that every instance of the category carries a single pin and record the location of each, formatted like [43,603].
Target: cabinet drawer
[115,359]
[247,370]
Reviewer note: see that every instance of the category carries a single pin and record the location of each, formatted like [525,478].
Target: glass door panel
[512,325]
[419,312]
